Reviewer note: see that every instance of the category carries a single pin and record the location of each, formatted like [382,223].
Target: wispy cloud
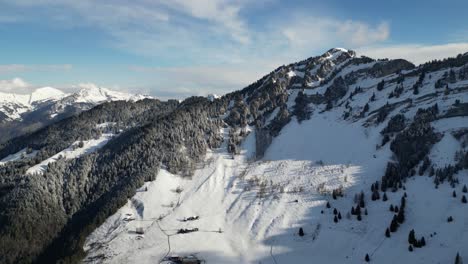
[180,82]
[16,85]
[416,53]
[15,68]
[309,31]
[211,45]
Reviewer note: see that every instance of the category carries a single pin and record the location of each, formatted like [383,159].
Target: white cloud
[309,31]
[416,53]
[12,68]
[16,85]
[180,82]
[221,12]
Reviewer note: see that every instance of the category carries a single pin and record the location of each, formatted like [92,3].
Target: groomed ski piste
[251,211]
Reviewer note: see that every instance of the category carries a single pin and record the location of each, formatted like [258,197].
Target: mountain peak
[46,93]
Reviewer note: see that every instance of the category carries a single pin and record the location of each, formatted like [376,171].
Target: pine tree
[396,210]
[454,194]
[387,232]
[401,217]
[465,190]
[335,219]
[463,199]
[450,219]
[392,209]
[339,215]
[411,237]
[301,232]
[384,198]
[357,210]
[422,242]
[359,217]
[403,203]
[375,195]
[394,225]
[328,205]
[367,258]
[335,211]
[353,212]
[380,85]
[416,89]
[365,212]
[458,259]
[410,248]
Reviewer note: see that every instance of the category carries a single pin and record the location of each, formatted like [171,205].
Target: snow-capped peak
[212,97]
[46,93]
[91,93]
[13,105]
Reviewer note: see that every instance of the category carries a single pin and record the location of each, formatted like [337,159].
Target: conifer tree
[335,211]
[301,232]
[328,205]
[410,248]
[401,217]
[463,199]
[367,258]
[422,242]
[392,208]
[465,190]
[458,259]
[411,237]
[384,198]
[380,85]
[387,232]
[454,194]
[394,225]
[335,219]
[339,215]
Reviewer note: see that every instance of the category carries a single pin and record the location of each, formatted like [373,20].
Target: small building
[190,259]
[140,231]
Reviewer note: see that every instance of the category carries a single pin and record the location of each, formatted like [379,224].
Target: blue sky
[176,48]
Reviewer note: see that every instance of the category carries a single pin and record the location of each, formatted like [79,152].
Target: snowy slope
[226,195]
[13,106]
[72,152]
[250,210]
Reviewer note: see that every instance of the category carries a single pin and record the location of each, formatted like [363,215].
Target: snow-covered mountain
[21,113]
[334,159]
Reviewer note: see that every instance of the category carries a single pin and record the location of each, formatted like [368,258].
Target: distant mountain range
[23,113]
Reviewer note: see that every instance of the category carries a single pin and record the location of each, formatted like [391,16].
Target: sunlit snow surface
[303,164]
[74,151]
